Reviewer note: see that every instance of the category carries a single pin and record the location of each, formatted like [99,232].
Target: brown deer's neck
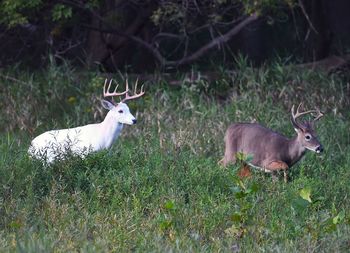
[295,151]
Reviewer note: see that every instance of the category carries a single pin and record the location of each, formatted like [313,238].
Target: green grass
[160,188]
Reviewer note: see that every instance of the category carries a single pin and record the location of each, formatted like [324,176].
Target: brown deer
[271,151]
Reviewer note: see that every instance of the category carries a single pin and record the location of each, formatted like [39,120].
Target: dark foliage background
[143,36]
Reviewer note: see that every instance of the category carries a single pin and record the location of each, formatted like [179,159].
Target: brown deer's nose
[319,149]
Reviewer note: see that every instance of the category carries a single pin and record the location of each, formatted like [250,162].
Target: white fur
[82,140]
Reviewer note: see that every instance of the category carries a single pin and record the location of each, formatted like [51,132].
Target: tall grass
[160,188]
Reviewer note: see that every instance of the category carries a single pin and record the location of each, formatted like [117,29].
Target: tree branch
[307,16]
[218,41]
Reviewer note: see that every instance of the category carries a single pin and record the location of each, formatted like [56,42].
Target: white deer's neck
[110,130]
[296,150]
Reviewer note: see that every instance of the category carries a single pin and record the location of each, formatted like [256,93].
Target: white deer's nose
[134,121]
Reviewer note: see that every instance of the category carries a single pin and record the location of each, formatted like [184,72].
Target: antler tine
[142,87]
[104,87]
[126,88]
[136,83]
[106,92]
[319,115]
[115,90]
[127,97]
[109,85]
[298,114]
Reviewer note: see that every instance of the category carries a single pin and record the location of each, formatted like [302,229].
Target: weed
[160,188]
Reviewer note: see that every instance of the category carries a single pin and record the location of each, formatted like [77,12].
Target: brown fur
[270,150]
[277,165]
[245,171]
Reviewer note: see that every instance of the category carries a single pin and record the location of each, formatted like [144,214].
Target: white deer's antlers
[127,97]
[106,92]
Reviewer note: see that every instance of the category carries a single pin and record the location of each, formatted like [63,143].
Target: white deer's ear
[106,104]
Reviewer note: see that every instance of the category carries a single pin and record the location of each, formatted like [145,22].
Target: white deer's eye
[307,137]
[120,111]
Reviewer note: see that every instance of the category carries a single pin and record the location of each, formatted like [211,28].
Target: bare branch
[143,43]
[218,41]
[307,16]
[166,35]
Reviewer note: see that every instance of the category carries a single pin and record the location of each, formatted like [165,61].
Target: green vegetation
[160,188]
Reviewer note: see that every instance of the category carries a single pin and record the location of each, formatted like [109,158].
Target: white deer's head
[120,111]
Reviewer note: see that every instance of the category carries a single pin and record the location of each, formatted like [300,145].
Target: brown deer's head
[306,130]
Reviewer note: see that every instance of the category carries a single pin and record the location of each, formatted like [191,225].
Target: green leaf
[330,228]
[237,217]
[249,158]
[300,204]
[169,205]
[239,183]
[305,193]
[255,187]
[165,224]
[240,194]
[61,11]
[240,156]
[15,225]
[339,218]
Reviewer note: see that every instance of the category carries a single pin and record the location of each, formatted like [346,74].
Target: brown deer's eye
[307,137]
[120,111]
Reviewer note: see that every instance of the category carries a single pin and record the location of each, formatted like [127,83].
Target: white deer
[82,140]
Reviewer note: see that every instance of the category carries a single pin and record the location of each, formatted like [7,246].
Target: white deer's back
[56,143]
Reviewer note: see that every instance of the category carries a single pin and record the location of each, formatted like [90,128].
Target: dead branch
[217,41]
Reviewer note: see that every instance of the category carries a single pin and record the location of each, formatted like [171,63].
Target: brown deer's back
[256,140]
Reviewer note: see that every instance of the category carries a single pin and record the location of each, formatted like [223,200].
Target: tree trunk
[319,36]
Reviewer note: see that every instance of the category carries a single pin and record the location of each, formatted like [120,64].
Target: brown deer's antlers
[319,115]
[297,114]
[106,92]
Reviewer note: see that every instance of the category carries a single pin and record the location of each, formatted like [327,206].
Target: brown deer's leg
[278,166]
[221,162]
[226,161]
[274,176]
[285,174]
[244,171]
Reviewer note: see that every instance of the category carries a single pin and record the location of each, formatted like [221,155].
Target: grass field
[160,189]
